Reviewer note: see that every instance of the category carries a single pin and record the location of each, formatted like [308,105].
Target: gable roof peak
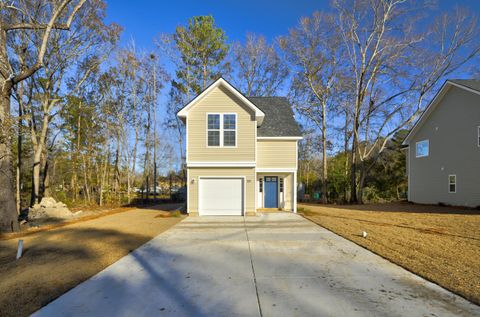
[259,115]
[471,85]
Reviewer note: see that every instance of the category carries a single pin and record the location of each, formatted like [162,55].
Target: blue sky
[144,20]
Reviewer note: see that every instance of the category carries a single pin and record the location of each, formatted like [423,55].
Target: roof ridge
[267,97]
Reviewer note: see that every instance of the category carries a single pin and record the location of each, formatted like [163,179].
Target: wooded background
[79,114]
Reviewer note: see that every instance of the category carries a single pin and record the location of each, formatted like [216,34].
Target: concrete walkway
[269,265]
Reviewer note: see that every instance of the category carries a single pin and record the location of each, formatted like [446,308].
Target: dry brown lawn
[441,244]
[60,258]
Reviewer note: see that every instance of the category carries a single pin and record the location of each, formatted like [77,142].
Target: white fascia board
[259,115]
[276,170]
[433,104]
[279,138]
[427,112]
[221,164]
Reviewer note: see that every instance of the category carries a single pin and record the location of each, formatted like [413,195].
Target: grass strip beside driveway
[441,244]
[57,260]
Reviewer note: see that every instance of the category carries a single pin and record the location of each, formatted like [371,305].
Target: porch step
[270,210]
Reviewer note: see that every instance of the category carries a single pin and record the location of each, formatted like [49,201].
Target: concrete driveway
[270,265]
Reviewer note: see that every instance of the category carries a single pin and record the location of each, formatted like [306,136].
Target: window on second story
[422,148]
[213,130]
[229,130]
[221,130]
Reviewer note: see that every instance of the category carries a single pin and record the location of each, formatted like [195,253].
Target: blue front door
[271,192]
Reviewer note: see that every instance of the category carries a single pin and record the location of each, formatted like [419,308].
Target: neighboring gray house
[443,148]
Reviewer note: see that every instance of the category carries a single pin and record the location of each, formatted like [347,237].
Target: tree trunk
[204,76]
[36,176]
[154,134]
[103,178]
[345,149]
[85,179]
[46,175]
[18,186]
[353,164]
[361,184]
[324,159]
[117,169]
[39,145]
[8,213]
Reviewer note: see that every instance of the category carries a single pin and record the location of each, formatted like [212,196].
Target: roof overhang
[432,106]
[259,115]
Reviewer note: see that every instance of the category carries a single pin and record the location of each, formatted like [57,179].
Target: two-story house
[443,148]
[241,153]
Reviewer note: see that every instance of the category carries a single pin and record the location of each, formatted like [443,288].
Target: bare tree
[313,50]
[394,66]
[18,17]
[259,69]
[88,37]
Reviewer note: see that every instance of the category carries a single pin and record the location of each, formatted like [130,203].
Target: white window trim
[236,130]
[455,183]
[428,148]
[221,130]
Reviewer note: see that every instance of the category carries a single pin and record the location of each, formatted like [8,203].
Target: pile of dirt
[49,208]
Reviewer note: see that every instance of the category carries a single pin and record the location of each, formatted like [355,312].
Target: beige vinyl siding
[195,173]
[221,101]
[276,154]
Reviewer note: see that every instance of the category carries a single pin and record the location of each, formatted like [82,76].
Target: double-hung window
[213,130]
[230,129]
[452,184]
[222,130]
[478,136]
[422,148]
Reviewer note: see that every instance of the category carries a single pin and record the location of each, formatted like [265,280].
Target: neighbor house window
[229,130]
[452,183]
[281,185]
[422,148]
[478,136]
[213,130]
[221,129]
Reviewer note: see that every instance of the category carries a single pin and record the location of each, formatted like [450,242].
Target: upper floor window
[422,148]
[213,130]
[222,129]
[229,130]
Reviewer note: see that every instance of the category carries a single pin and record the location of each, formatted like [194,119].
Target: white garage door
[221,196]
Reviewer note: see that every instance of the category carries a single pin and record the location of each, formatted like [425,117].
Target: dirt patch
[58,259]
[441,244]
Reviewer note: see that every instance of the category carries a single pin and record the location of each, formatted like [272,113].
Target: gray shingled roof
[469,83]
[279,120]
